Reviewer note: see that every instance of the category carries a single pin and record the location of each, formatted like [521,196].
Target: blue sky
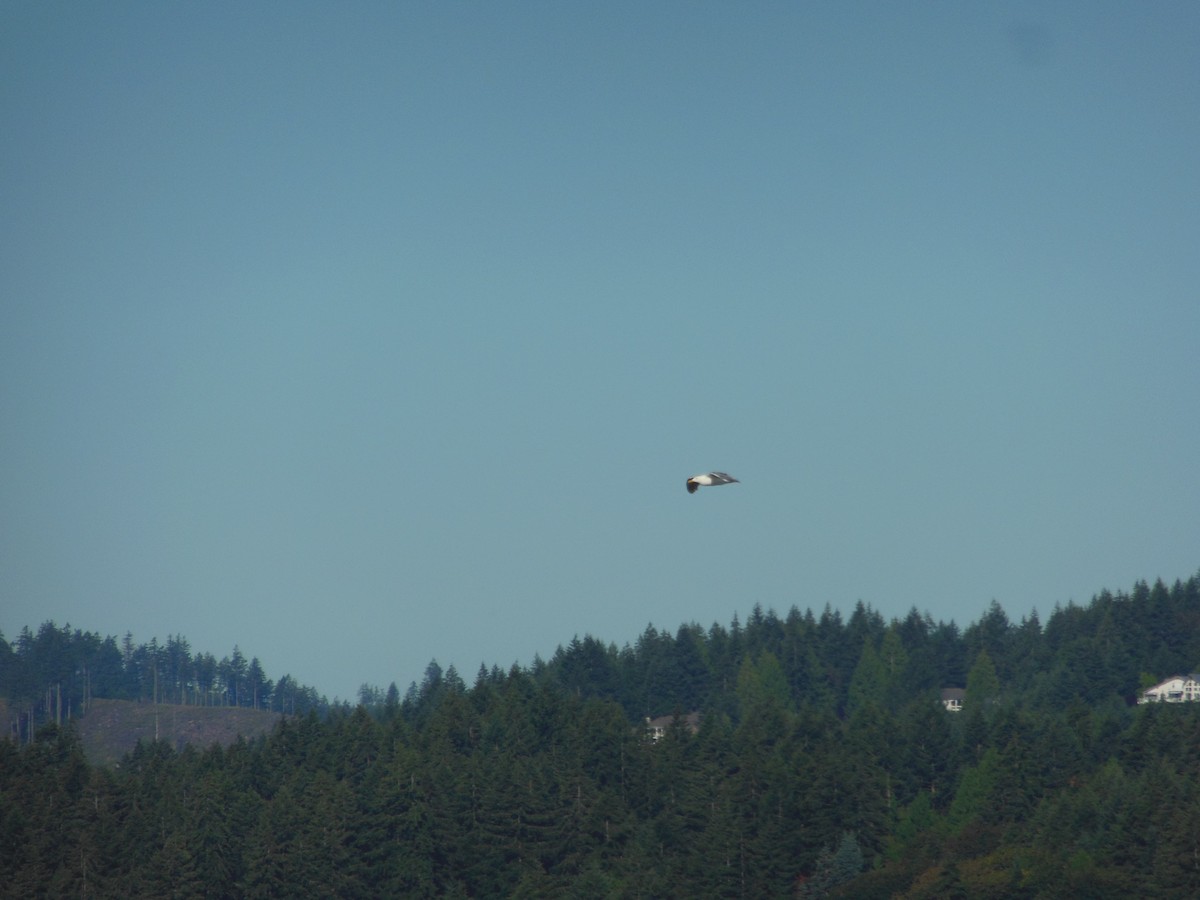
[365,334]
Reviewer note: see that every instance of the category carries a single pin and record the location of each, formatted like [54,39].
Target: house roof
[691,720]
[1166,681]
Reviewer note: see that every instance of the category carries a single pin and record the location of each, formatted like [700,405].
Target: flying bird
[707,480]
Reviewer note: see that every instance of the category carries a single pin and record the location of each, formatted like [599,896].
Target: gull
[708,479]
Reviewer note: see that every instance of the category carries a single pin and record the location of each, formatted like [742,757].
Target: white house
[1176,689]
[952,699]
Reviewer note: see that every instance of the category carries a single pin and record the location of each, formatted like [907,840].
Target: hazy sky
[362,334]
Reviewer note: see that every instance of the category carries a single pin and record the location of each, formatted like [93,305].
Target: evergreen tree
[258,686]
[834,867]
[391,702]
[898,687]
[927,751]
[975,792]
[983,686]
[868,685]
[172,871]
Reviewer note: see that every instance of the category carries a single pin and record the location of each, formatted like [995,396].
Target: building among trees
[952,699]
[1176,689]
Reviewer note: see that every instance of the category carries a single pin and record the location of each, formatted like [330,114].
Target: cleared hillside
[112,728]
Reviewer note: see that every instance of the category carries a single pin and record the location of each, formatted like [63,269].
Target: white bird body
[708,479]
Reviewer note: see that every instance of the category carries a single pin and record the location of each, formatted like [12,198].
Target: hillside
[112,728]
[824,765]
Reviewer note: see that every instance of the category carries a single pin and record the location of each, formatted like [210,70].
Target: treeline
[823,766]
[1103,652]
[51,676]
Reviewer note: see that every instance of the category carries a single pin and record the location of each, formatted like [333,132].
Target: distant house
[1176,689]
[656,729]
[952,699]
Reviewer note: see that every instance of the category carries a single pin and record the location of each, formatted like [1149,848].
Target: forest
[823,764]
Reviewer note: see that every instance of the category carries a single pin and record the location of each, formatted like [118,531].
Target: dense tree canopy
[823,765]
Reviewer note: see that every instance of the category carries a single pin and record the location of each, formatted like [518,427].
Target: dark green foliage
[823,766]
[983,684]
[835,866]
